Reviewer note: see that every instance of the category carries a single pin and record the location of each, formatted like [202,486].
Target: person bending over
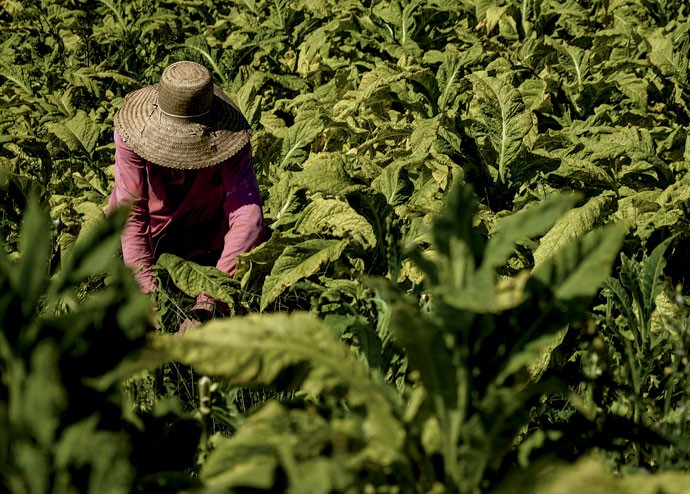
[183,162]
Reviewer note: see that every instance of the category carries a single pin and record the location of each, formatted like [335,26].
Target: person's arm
[243,212]
[131,189]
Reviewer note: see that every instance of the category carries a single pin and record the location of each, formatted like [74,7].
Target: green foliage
[365,117]
[194,279]
[68,338]
[590,475]
[465,401]
[644,337]
[51,344]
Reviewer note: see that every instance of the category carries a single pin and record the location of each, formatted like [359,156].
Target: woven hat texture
[185,121]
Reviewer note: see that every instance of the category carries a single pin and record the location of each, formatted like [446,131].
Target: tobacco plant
[454,421]
[365,116]
[65,421]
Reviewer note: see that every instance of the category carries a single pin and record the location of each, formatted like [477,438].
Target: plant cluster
[476,217]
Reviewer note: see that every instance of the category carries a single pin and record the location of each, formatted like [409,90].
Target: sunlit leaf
[581,266]
[195,279]
[293,350]
[573,224]
[80,133]
[336,218]
[298,262]
[500,112]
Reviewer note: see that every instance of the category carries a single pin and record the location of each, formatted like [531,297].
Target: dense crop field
[472,282]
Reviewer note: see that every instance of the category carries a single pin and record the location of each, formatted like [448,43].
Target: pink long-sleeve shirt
[213,213]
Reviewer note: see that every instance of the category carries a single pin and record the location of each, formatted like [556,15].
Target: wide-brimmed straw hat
[185,121]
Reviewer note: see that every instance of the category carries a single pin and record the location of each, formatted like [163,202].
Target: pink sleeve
[243,210]
[131,189]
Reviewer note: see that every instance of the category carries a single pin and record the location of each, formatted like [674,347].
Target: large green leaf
[298,262]
[582,265]
[29,275]
[378,79]
[583,171]
[194,279]
[574,59]
[483,292]
[334,218]
[299,444]
[260,260]
[392,182]
[300,135]
[80,133]
[651,277]
[449,76]
[292,351]
[533,220]
[325,173]
[499,110]
[442,376]
[18,76]
[574,223]
[93,251]
[663,55]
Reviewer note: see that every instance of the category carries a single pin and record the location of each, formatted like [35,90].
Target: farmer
[183,161]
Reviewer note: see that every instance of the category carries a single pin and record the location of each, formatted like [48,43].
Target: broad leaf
[92,252]
[298,262]
[325,173]
[28,277]
[484,293]
[392,183]
[300,135]
[195,279]
[581,266]
[500,111]
[651,276]
[292,351]
[533,220]
[573,224]
[334,218]
[575,59]
[80,133]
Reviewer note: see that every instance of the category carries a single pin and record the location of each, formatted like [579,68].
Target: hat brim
[181,143]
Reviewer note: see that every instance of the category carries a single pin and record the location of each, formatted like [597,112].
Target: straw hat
[184,121]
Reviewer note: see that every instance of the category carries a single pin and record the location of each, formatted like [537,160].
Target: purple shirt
[213,213]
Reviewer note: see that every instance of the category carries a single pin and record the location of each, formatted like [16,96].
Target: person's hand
[199,314]
[203,311]
[186,325]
